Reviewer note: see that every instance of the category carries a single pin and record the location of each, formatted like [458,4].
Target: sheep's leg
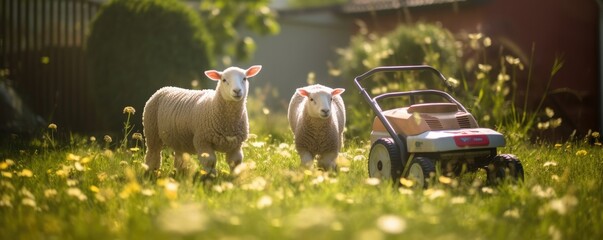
[328,161]
[234,158]
[307,159]
[153,155]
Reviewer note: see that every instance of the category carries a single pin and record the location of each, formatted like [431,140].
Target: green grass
[80,190]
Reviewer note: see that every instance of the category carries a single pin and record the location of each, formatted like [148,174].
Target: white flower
[391,224]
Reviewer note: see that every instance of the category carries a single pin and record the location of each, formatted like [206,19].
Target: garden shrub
[138,46]
[406,45]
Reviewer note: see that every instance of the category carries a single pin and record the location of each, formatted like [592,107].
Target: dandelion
[484,67]
[581,152]
[6,201]
[50,193]
[558,145]
[549,112]
[564,204]
[595,134]
[257,184]
[52,126]
[107,139]
[512,60]
[512,213]
[458,200]
[391,224]
[434,193]
[487,42]
[453,82]
[28,202]
[25,173]
[6,164]
[73,157]
[549,163]
[538,191]
[266,111]
[407,182]
[147,192]
[77,193]
[372,181]
[445,180]
[6,174]
[488,190]
[129,110]
[102,176]
[171,190]
[129,189]
[94,189]
[264,201]
[475,36]
[92,139]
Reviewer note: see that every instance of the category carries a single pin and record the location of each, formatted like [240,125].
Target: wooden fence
[42,50]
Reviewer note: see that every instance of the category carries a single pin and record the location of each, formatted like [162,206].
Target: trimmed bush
[137,46]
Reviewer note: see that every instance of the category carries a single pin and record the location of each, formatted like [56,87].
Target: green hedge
[137,46]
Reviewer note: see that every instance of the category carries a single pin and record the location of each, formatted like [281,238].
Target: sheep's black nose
[237,91]
[325,111]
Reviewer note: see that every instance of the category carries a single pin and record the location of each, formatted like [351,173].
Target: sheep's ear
[303,92]
[253,70]
[337,91]
[213,75]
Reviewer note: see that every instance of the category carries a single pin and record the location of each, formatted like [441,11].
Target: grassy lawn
[83,190]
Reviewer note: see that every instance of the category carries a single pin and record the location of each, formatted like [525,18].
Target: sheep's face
[233,82]
[319,101]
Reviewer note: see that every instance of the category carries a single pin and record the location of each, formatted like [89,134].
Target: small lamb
[200,121]
[317,118]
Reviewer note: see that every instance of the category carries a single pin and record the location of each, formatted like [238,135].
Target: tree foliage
[225,18]
[138,46]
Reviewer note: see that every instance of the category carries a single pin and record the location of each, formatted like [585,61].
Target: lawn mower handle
[377,109]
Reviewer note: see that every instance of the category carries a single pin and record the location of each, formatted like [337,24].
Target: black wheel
[420,171]
[385,160]
[504,166]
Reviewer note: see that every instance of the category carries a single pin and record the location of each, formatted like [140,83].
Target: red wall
[556,27]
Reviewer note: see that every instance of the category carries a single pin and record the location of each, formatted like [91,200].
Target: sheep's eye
[311,99]
[223,79]
[245,79]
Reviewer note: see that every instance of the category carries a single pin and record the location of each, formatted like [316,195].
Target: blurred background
[528,68]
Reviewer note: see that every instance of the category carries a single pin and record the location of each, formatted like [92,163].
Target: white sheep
[317,118]
[199,121]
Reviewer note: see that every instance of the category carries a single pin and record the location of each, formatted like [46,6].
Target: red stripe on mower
[471,140]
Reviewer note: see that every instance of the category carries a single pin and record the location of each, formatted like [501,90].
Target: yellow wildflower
[137,136]
[73,157]
[445,180]
[129,110]
[25,173]
[581,152]
[7,174]
[107,139]
[94,189]
[52,126]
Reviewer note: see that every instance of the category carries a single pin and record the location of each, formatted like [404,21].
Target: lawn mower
[431,129]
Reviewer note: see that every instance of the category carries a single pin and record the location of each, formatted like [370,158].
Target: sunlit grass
[87,190]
